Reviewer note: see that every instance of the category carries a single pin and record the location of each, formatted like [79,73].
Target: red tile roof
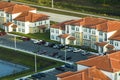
[4,4]
[63,35]
[60,25]
[14,26]
[12,8]
[97,23]
[31,17]
[88,74]
[109,62]
[115,36]
[71,38]
[102,44]
[110,46]
[7,24]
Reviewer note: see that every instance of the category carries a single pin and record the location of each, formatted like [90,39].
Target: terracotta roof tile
[110,62]
[60,25]
[12,8]
[102,44]
[71,38]
[31,17]
[4,4]
[88,74]
[115,36]
[14,26]
[63,35]
[7,24]
[110,46]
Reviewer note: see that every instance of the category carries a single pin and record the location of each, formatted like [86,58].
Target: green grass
[40,36]
[90,9]
[27,60]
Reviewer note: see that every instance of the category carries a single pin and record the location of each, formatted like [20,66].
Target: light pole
[65,51]
[15,41]
[52,4]
[35,63]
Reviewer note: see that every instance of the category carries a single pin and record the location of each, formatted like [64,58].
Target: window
[89,30]
[57,32]
[52,36]
[19,29]
[7,15]
[116,43]
[73,27]
[23,30]
[15,22]
[100,33]
[85,36]
[23,24]
[73,34]
[111,42]
[85,29]
[77,29]
[93,32]
[89,36]
[100,40]
[2,14]
[52,30]
[18,23]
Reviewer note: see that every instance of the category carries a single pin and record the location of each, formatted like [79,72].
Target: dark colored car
[42,74]
[51,44]
[25,38]
[60,68]
[54,54]
[69,66]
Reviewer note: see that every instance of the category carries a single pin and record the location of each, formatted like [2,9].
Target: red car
[25,38]
[2,33]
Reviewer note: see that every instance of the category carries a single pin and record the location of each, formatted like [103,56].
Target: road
[59,17]
[86,14]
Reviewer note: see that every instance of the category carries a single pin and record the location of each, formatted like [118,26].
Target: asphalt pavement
[8,40]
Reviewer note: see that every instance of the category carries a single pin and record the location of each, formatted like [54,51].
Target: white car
[36,41]
[77,50]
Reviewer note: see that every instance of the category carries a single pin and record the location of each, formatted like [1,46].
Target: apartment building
[89,31]
[105,67]
[22,18]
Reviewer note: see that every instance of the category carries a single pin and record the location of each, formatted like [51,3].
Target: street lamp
[15,41]
[35,62]
[52,4]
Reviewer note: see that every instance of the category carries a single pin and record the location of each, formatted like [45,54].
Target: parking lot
[51,74]
[41,49]
[46,50]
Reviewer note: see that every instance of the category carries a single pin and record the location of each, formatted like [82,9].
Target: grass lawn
[40,36]
[27,60]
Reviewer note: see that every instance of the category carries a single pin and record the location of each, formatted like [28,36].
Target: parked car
[51,44]
[60,68]
[76,50]
[2,33]
[54,54]
[69,65]
[70,49]
[42,74]
[25,38]
[42,52]
[59,56]
[56,46]
[46,44]
[35,41]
